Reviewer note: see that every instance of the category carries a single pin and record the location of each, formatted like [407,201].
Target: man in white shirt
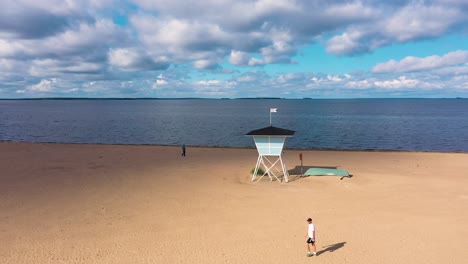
[311,238]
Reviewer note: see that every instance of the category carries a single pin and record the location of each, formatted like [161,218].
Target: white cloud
[159,83]
[246,78]
[9,48]
[361,84]
[347,43]
[53,6]
[334,78]
[107,47]
[290,77]
[123,57]
[45,85]
[77,53]
[83,67]
[240,58]
[415,21]
[131,59]
[237,14]
[205,64]
[237,29]
[178,37]
[126,84]
[401,82]
[354,10]
[54,67]
[85,37]
[209,82]
[411,63]
[8,65]
[418,20]
[452,71]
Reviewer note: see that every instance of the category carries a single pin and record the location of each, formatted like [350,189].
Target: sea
[439,125]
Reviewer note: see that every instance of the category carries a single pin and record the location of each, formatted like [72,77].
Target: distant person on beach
[183,150]
[311,238]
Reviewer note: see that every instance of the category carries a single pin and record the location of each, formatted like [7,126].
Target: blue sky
[244,48]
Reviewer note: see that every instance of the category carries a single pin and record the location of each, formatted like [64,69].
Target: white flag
[273,110]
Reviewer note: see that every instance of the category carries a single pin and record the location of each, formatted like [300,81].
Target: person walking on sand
[311,238]
[183,150]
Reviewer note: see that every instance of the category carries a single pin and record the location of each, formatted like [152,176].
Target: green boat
[326,172]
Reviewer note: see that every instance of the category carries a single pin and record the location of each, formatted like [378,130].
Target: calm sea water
[370,124]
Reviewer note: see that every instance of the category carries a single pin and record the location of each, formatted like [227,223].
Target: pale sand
[146,204]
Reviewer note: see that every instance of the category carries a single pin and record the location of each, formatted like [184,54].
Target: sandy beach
[71,203]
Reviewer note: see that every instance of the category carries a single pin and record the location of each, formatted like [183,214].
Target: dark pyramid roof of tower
[271,131]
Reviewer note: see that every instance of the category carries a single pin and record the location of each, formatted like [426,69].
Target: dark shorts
[310,241]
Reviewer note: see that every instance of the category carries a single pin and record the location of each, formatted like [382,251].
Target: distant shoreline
[229,147]
[240,98]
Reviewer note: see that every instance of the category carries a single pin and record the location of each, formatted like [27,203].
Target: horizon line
[220,98]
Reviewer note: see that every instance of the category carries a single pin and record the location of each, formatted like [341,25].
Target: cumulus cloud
[85,47]
[11,66]
[131,59]
[158,83]
[78,54]
[289,77]
[35,24]
[56,39]
[177,34]
[240,58]
[51,67]
[411,63]
[360,84]
[45,85]
[401,82]
[86,41]
[273,30]
[28,19]
[209,82]
[83,39]
[413,21]
[205,64]
[418,20]
[347,43]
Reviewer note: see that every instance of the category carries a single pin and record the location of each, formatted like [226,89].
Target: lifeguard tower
[270,142]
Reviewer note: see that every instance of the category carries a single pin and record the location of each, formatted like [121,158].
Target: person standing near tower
[311,238]
[183,150]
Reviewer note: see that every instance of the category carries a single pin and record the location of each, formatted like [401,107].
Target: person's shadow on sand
[331,248]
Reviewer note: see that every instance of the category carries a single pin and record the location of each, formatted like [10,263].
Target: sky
[232,49]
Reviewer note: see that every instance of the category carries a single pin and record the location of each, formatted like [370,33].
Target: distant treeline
[196,98]
[139,98]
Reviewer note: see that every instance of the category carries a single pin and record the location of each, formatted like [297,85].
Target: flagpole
[270,117]
[272,110]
